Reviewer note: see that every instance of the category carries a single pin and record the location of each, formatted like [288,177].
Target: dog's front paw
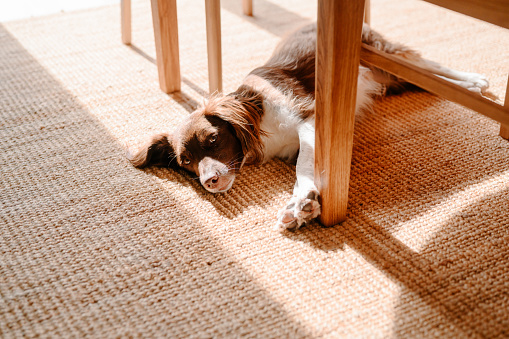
[299,211]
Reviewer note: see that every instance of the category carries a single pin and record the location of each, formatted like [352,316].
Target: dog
[271,114]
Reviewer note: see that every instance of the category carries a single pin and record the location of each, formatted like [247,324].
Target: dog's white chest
[280,123]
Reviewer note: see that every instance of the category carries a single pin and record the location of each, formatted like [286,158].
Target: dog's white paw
[477,83]
[299,211]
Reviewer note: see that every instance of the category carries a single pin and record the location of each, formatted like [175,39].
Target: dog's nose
[212,182]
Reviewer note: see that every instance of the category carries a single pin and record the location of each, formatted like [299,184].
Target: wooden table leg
[125,21]
[367,12]
[504,129]
[213,21]
[164,18]
[247,7]
[504,132]
[338,53]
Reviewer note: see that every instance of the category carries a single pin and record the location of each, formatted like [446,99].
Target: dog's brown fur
[272,115]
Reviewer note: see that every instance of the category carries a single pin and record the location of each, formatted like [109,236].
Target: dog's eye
[186,161]
[213,139]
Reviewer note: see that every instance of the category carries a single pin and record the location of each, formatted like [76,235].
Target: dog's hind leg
[304,205]
[472,81]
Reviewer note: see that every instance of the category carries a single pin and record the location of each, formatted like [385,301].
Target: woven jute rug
[92,247]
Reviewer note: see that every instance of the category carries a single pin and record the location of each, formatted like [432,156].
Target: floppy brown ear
[158,152]
[243,110]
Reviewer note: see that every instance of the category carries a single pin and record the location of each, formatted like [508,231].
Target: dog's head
[214,142]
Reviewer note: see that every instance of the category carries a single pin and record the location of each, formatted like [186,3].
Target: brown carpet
[91,247]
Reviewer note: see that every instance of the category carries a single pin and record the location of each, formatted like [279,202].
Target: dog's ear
[243,110]
[158,152]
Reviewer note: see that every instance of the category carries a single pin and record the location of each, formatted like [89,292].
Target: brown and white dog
[271,115]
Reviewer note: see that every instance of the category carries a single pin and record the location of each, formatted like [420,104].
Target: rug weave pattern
[91,247]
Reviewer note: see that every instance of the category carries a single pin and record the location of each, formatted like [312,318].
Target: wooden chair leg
[367,12]
[247,7]
[164,18]
[338,54]
[213,21]
[504,129]
[125,21]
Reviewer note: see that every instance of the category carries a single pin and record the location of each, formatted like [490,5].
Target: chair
[164,17]
[335,117]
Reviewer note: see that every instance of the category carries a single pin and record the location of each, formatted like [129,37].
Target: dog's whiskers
[172,158]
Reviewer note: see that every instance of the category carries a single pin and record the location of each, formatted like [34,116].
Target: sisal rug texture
[91,247]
